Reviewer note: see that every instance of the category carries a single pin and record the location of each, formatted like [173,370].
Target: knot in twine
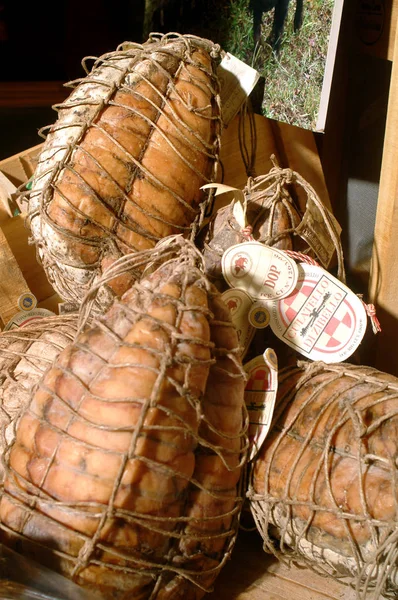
[283,176]
[371,312]
[247,233]
[215,52]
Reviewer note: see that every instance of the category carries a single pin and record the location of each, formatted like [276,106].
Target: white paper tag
[265,273]
[67,308]
[239,304]
[322,319]
[260,395]
[239,200]
[24,318]
[237,81]
[313,228]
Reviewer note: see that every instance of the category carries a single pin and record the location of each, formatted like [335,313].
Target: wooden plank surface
[12,281]
[19,167]
[251,574]
[376,27]
[21,94]
[293,148]
[383,284]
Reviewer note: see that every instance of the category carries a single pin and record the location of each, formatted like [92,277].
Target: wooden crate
[250,574]
[19,269]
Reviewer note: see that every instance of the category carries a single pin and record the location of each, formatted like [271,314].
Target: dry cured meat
[126,469]
[324,486]
[122,166]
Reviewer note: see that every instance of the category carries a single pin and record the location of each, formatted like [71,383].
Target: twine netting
[134,483]
[280,219]
[123,165]
[324,489]
[273,219]
[25,354]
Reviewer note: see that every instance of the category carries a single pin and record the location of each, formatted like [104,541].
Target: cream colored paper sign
[237,81]
[315,229]
[322,319]
[239,304]
[260,395]
[265,273]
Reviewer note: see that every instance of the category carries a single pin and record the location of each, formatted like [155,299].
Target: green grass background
[293,80]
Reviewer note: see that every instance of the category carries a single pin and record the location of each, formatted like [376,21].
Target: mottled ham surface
[123,165]
[25,354]
[325,482]
[125,472]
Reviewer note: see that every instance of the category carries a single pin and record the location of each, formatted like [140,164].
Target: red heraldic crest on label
[322,319]
[260,395]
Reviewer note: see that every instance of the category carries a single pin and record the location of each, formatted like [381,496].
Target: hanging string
[246,118]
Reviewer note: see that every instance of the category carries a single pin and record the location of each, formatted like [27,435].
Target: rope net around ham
[25,354]
[273,218]
[324,487]
[122,166]
[126,470]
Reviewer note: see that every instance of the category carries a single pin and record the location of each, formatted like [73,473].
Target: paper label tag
[265,273]
[313,229]
[237,81]
[239,303]
[239,200]
[260,395]
[322,319]
[22,319]
[66,308]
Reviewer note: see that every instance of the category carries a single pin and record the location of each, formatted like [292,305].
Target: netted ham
[122,166]
[274,218]
[25,354]
[126,470]
[324,486]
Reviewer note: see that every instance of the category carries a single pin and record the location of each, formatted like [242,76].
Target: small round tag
[27,302]
[259,316]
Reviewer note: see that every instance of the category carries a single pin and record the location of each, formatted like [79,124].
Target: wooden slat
[19,167]
[383,284]
[17,236]
[251,574]
[234,167]
[23,94]
[376,27]
[12,282]
[293,147]
[297,150]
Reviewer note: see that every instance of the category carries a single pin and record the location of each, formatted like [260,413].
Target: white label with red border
[265,273]
[239,304]
[22,319]
[322,319]
[260,395]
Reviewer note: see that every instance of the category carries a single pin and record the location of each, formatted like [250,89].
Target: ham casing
[122,166]
[125,473]
[25,354]
[324,485]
